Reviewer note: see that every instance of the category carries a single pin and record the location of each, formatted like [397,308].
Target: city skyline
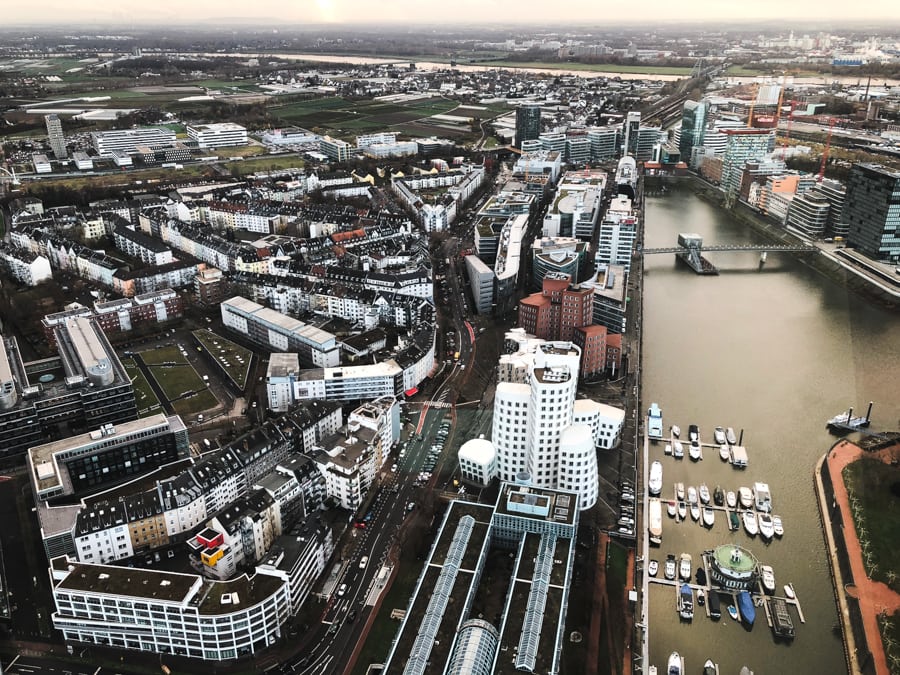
[356,12]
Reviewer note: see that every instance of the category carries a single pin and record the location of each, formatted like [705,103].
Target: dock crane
[821,175]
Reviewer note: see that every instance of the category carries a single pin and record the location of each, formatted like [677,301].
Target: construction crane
[821,175]
[752,104]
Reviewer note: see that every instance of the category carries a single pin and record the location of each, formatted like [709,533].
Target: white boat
[719,435]
[682,511]
[651,670]
[768,578]
[654,484]
[692,494]
[731,499]
[789,591]
[693,432]
[750,523]
[724,452]
[762,497]
[679,491]
[676,430]
[654,421]
[730,437]
[669,568]
[701,597]
[677,450]
[777,526]
[704,493]
[671,509]
[694,451]
[653,568]
[684,569]
[766,529]
[667,450]
[709,516]
[710,668]
[655,527]
[675,665]
[739,458]
[695,511]
[685,602]
[745,496]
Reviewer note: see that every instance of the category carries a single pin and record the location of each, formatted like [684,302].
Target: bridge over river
[690,249]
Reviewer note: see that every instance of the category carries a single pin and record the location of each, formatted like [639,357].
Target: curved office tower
[578,465]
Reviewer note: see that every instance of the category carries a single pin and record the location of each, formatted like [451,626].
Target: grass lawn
[222,350]
[264,163]
[147,403]
[743,70]
[176,380]
[591,67]
[874,490]
[202,400]
[155,357]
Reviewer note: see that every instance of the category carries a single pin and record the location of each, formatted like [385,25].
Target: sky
[293,12]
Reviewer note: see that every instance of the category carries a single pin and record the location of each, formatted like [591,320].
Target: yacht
[715,605]
[704,493]
[731,499]
[750,523]
[777,526]
[724,452]
[694,451]
[686,602]
[748,611]
[692,494]
[701,597]
[675,665]
[762,497]
[679,491]
[730,437]
[709,516]
[766,528]
[684,569]
[677,449]
[695,511]
[789,591]
[671,509]
[746,497]
[653,568]
[676,430]
[682,511]
[667,450]
[719,496]
[654,421]
[669,567]
[719,435]
[710,668]
[655,482]
[693,433]
[734,521]
[768,578]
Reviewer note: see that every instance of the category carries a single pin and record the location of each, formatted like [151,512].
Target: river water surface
[775,353]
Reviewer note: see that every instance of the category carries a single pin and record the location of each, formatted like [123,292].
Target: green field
[224,350]
[591,67]
[179,380]
[264,163]
[202,400]
[874,489]
[742,70]
[147,403]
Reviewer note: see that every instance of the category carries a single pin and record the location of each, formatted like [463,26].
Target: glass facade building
[872,211]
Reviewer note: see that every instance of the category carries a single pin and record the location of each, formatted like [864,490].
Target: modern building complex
[335,148]
[557,255]
[55,136]
[84,387]
[577,206]
[743,145]
[275,331]
[693,126]
[528,123]
[618,231]
[127,141]
[441,634]
[872,211]
[219,135]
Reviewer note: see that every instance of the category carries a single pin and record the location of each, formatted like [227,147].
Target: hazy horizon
[131,13]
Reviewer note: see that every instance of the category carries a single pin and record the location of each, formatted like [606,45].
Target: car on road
[363,561]
[342,590]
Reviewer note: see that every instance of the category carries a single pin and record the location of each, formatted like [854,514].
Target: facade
[55,136]
[481,281]
[808,214]
[872,211]
[335,149]
[618,231]
[115,316]
[836,194]
[127,141]
[219,135]
[278,332]
[149,250]
[632,127]
[604,143]
[209,287]
[41,163]
[577,206]
[553,256]
[478,462]
[742,145]
[528,123]
[693,126]
[24,265]
[555,312]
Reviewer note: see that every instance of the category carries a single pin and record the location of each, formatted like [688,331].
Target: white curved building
[478,461]
[578,465]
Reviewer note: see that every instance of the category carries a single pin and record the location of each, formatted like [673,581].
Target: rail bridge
[690,249]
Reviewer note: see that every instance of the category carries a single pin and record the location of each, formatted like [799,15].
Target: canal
[772,351]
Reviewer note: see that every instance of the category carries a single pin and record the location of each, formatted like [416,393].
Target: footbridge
[690,250]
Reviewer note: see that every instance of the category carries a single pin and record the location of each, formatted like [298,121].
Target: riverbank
[826,263]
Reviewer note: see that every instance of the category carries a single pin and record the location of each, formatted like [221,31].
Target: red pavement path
[874,596]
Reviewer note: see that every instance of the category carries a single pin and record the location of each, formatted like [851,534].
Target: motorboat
[700,576]
[693,433]
[654,421]
[762,497]
[709,516]
[745,496]
[732,612]
[715,605]
[677,449]
[676,430]
[651,670]
[734,521]
[719,496]
[739,459]
[768,578]
[746,671]
[750,523]
[748,611]
[724,452]
[685,603]
[655,526]
[692,494]
[679,491]
[654,484]
[675,665]
[777,526]
[682,510]
[694,451]
[731,499]
[684,569]
[669,567]
[789,591]
[704,493]
[701,597]
[766,528]
[671,509]
[730,437]
[667,450]
[719,435]
[710,668]
[695,511]
[653,568]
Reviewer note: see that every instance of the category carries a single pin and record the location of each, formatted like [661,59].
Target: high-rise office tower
[632,125]
[742,145]
[872,211]
[528,123]
[55,136]
[693,123]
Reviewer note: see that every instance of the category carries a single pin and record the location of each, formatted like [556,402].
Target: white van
[363,561]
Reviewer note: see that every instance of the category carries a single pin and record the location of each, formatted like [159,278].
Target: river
[774,352]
